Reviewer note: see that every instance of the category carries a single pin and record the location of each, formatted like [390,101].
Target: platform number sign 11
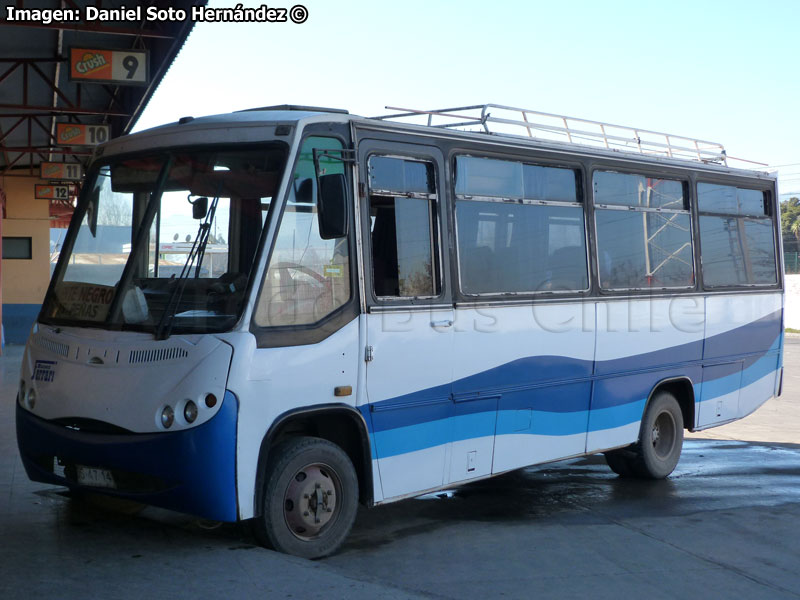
[61,171]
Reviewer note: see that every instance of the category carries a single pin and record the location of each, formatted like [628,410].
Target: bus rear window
[737,237]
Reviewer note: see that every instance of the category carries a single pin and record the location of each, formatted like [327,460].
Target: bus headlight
[167,417]
[190,411]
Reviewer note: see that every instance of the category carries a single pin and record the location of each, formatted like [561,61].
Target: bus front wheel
[660,442]
[310,498]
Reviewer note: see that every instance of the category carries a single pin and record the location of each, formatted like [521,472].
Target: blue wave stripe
[616,391]
[559,409]
[721,386]
[617,416]
[522,371]
[543,423]
[528,373]
[401,440]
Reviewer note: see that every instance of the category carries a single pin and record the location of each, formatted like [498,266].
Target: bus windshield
[165,242]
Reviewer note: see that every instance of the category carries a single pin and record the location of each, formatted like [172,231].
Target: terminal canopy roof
[37,92]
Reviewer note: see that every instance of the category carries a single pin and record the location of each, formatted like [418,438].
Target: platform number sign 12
[52,192]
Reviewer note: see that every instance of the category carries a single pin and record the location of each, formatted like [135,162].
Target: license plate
[95,477]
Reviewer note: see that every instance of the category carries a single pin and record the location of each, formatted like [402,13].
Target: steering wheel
[285,301]
[226,292]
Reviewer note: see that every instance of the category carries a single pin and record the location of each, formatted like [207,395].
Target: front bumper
[191,471]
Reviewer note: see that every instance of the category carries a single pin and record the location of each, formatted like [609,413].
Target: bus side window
[737,236]
[307,277]
[403,229]
[644,232]
[520,228]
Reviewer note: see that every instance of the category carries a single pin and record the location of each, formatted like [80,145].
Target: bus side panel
[639,343]
[536,363]
[622,399]
[272,381]
[742,356]
[541,425]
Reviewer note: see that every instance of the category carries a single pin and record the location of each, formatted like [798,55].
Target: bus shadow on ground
[712,475]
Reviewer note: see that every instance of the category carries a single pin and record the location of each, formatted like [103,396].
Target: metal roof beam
[43,60]
[54,149]
[13,127]
[53,86]
[89,28]
[49,110]
[50,136]
[8,72]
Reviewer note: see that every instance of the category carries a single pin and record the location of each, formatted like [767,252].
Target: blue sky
[722,71]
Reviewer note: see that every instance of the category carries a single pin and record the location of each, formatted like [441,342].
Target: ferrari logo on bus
[44,371]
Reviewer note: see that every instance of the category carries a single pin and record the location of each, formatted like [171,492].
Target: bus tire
[310,498]
[660,438]
[620,462]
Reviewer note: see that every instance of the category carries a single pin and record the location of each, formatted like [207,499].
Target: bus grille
[52,346]
[156,355]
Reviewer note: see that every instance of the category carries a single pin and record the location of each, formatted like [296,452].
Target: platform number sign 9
[126,67]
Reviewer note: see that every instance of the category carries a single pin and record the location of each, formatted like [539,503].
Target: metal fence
[791,262]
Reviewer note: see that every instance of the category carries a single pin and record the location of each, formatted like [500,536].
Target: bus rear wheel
[620,462]
[658,450]
[310,498]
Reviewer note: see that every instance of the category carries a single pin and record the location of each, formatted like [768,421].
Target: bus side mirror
[332,206]
[199,208]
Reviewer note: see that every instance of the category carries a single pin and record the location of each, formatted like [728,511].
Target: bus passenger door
[410,316]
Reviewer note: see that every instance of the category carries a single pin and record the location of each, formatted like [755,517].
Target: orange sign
[108,66]
[51,192]
[70,134]
[61,171]
[90,64]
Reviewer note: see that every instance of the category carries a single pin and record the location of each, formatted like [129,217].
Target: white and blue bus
[394,308]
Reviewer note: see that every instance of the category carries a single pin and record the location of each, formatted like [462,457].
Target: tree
[790,223]
[115,209]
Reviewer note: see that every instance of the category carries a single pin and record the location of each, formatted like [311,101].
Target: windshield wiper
[193,260]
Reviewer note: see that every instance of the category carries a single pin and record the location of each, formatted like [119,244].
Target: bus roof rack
[299,107]
[498,119]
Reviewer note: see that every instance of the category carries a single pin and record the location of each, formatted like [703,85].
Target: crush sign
[51,192]
[70,134]
[61,171]
[126,67]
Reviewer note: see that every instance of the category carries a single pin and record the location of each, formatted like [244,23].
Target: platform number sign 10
[70,134]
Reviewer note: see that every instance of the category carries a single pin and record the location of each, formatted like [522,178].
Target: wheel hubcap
[663,435]
[309,504]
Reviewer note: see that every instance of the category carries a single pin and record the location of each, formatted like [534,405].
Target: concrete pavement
[725,525]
